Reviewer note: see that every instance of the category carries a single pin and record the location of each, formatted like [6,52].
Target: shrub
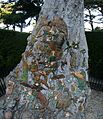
[12,45]
[95,45]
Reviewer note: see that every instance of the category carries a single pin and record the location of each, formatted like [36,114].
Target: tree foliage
[15,13]
[90,6]
[5,10]
[96,4]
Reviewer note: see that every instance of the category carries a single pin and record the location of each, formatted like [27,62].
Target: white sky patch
[97,22]
[27,29]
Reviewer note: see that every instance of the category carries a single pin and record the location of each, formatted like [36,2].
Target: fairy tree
[50,80]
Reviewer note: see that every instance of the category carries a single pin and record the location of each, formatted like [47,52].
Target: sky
[30,27]
[87,25]
[4,0]
[26,29]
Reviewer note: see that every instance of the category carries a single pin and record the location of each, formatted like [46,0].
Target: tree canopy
[15,13]
[92,6]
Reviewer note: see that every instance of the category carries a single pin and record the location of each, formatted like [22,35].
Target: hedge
[12,45]
[95,45]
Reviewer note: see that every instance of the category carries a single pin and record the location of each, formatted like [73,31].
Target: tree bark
[50,80]
[73,14]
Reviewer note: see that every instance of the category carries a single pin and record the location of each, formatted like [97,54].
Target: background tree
[5,11]
[96,4]
[89,17]
[24,9]
[20,11]
[93,6]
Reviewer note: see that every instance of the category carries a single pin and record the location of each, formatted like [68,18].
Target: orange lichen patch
[57,95]
[58,54]
[33,70]
[44,102]
[73,87]
[40,33]
[34,67]
[43,73]
[28,53]
[37,77]
[81,107]
[53,64]
[63,103]
[58,77]
[55,51]
[43,21]
[60,24]
[17,71]
[52,45]
[78,75]
[23,54]
[25,65]
[48,72]
[45,83]
[10,87]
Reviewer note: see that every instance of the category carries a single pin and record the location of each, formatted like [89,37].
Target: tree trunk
[50,80]
[14,27]
[21,27]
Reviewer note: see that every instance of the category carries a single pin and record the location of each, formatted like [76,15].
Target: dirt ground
[95,105]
